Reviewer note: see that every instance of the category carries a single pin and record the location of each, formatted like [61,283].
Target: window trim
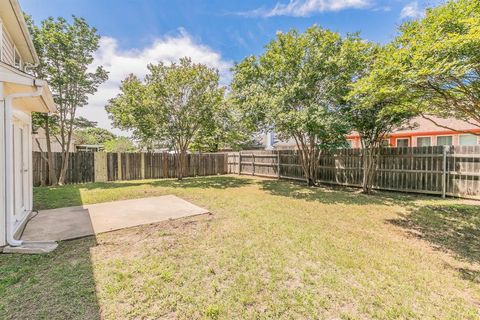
[388,145]
[424,137]
[16,55]
[466,134]
[443,135]
[351,143]
[408,142]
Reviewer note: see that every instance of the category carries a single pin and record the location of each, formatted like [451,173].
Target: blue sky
[218,33]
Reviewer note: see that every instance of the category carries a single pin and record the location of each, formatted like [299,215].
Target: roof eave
[23,26]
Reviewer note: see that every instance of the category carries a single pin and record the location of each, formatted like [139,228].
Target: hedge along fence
[101,166]
[453,170]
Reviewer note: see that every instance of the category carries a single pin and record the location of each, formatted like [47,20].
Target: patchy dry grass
[269,250]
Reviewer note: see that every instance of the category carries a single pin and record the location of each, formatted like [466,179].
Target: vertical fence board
[408,169]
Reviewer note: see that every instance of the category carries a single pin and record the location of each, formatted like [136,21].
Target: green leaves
[297,85]
[93,136]
[438,58]
[171,106]
[119,144]
[66,53]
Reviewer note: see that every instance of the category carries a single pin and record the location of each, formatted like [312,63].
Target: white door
[21,169]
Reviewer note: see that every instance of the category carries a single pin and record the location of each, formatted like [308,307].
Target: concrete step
[32,247]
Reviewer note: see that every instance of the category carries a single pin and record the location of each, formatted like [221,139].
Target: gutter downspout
[9,205]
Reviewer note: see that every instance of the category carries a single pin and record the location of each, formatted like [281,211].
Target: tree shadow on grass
[215,182]
[453,228]
[70,195]
[57,285]
[331,194]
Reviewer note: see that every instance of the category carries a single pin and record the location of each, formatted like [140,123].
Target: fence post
[142,165]
[278,163]
[239,162]
[100,167]
[253,164]
[444,172]
[119,164]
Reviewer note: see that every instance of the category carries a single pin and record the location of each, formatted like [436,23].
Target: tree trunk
[63,170]
[52,175]
[181,164]
[307,150]
[369,168]
[66,150]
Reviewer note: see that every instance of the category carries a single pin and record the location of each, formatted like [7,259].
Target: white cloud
[303,8]
[119,63]
[411,10]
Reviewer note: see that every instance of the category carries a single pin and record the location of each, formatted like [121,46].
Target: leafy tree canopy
[119,144]
[176,105]
[93,136]
[297,86]
[65,51]
[437,59]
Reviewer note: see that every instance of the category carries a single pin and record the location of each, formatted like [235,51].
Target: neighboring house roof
[12,16]
[420,124]
[416,126]
[424,126]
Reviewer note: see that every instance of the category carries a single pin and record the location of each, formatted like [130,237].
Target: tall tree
[373,112]
[297,87]
[172,106]
[66,52]
[438,59]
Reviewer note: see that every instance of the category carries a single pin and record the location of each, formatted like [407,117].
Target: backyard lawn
[270,249]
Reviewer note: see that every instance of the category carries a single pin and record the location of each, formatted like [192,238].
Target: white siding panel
[2,176]
[7,48]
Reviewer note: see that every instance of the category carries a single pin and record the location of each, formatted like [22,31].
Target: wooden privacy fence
[80,167]
[163,165]
[451,170]
[101,166]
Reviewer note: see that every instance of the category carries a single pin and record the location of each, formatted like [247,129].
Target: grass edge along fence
[101,166]
[439,170]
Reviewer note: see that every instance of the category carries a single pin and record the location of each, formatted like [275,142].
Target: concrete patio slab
[76,222]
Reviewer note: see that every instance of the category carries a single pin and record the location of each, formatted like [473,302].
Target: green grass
[270,249]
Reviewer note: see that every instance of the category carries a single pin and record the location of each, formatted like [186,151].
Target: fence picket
[409,169]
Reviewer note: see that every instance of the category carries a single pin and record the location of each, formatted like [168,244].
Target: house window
[468,140]
[350,143]
[444,141]
[401,143]
[17,59]
[385,143]
[424,141]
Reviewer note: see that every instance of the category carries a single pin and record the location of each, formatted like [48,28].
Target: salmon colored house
[422,132]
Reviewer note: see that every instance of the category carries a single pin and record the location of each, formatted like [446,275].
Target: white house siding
[2,170]
[7,48]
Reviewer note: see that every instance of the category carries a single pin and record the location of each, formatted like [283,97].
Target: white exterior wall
[24,120]
[7,47]
[2,170]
